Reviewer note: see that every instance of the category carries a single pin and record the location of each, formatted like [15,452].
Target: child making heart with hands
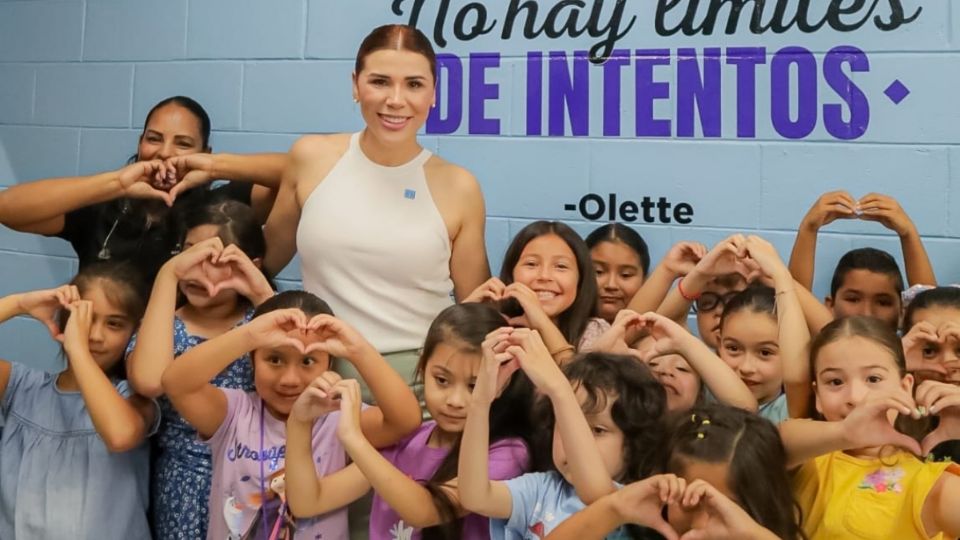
[292,337]
[547,282]
[683,364]
[764,337]
[725,480]
[871,207]
[607,411]
[219,283]
[72,454]
[416,479]
[861,388]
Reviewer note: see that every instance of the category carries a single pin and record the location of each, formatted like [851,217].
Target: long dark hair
[758,461]
[465,326]
[573,321]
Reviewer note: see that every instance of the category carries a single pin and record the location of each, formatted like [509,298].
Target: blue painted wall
[78,76]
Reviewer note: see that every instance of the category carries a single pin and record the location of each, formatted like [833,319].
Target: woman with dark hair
[385,229]
[129,214]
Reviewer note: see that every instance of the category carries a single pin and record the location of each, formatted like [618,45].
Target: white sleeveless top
[373,245]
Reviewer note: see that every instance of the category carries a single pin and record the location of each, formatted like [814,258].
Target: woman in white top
[385,229]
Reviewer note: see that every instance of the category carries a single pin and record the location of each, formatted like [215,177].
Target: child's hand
[767,259]
[533,314]
[642,502]
[828,208]
[728,257]
[44,306]
[496,366]
[535,360]
[683,257]
[919,347]
[949,331]
[245,278]
[668,336]
[869,424]
[887,211]
[490,290]
[725,519]
[188,264]
[319,398]
[942,400]
[336,338]
[348,429]
[614,339]
[76,335]
[279,328]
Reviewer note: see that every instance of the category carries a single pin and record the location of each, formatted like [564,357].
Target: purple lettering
[569,93]
[746,59]
[611,91]
[648,91]
[702,93]
[856,100]
[534,93]
[436,124]
[780,92]
[481,92]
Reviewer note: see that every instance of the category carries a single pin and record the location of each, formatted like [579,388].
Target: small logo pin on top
[409,194]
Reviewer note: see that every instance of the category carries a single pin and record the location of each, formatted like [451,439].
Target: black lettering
[628,211]
[529,29]
[479,26]
[603,48]
[440,22]
[677,16]
[647,206]
[596,199]
[612,207]
[663,206]
[683,213]
[896,17]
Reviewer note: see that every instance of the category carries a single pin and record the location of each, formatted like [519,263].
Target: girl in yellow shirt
[852,480]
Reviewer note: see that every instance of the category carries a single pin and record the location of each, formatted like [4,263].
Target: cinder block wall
[78,76]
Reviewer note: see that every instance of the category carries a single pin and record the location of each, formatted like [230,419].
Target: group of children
[566,398]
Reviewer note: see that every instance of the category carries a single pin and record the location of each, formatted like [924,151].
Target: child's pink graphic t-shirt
[235,493]
[508,459]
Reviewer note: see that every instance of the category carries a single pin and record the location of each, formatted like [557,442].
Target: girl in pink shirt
[415,480]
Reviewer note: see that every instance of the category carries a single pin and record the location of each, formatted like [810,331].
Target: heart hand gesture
[490,290]
[319,398]
[44,306]
[942,400]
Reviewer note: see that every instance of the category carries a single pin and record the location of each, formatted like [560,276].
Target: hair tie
[701,432]
[907,296]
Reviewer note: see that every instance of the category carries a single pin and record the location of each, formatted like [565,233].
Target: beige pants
[404,363]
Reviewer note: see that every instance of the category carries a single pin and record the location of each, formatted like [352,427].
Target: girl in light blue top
[73,458]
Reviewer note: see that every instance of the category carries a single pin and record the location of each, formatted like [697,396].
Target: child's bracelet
[687,297]
[565,348]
